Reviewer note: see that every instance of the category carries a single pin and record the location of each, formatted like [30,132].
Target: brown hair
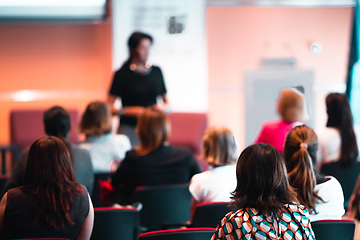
[219,146]
[355,205]
[96,119]
[153,129]
[261,180]
[292,105]
[50,179]
[300,157]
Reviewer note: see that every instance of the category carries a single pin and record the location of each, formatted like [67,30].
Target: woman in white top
[107,150]
[216,184]
[337,142]
[323,196]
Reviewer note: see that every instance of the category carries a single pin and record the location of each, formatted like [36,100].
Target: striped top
[248,223]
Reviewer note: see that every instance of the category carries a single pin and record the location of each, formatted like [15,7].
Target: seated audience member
[353,212]
[292,109]
[338,141]
[267,205]
[107,150]
[153,162]
[323,196]
[57,123]
[216,184]
[50,204]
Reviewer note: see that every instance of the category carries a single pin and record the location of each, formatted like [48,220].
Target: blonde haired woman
[107,150]
[292,109]
[153,162]
[216,184]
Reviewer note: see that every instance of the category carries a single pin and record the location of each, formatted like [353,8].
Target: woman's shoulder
[16,192]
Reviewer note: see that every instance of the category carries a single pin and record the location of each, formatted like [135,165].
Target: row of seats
[324,230]
[112,222]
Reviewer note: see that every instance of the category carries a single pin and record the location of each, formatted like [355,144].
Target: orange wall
[238,37]
[51,57]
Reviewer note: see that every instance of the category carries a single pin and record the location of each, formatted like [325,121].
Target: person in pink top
[292,109]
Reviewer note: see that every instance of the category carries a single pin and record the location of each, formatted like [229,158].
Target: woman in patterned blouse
[267,205]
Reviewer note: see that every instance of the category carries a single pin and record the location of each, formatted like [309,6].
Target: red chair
[27,125]
[334,229]
[187,130]
[209,214]
[116,223]
[179,234]
[44,239]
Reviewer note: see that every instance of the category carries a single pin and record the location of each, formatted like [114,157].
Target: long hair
[219,146]
[261,180]
[355,205]
[300,157]
[96,119]
[153,129]
[50,179]
[340,117]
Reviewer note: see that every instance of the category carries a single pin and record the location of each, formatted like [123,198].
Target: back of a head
[153,129]
[292,105]
[340,117]
[261,180]
[96,119]
[49,176]
[219,146]
[57,122]
[300,157]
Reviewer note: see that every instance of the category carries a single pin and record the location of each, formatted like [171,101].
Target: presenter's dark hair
[340,117]
[261,180]
[49,177]
[300,150]
[135,39]
[57,122]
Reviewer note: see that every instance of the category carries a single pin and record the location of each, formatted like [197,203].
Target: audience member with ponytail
[323,196]
[337,142]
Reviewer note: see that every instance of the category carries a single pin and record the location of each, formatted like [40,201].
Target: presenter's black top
[137,89]
[164,165]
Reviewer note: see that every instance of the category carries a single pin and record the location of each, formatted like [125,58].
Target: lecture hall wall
[75,60]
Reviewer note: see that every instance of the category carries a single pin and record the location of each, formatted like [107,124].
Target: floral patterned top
[248,224]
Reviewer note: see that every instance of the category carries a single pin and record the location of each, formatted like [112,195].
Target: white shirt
[214,185]
[333,206]
[330,144]
[106,149]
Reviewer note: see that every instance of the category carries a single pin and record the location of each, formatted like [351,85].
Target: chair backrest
[179,234]
[163,205]
[115,223]
[210,214]
[187,130]
[334,229]
[347,176]
[95,196]
[27,125]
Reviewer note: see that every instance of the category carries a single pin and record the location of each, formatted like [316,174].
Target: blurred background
[224,58]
